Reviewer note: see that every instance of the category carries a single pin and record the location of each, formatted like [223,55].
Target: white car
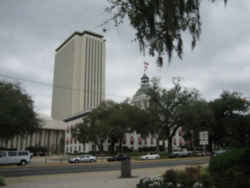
[83,158]
[150,156]
[15,157]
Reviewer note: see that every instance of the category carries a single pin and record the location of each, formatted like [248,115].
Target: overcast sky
[31,30]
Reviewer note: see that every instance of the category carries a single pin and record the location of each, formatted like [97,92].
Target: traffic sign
[203,142]
[204,138]
[204,135]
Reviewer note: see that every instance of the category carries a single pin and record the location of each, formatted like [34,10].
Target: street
[95,167]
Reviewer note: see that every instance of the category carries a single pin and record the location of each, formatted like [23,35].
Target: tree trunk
[210,141]
[100,147]
[163,144]
[112,146]
[120,145]
[157,144]
[170,145]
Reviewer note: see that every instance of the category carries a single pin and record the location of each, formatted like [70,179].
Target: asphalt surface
[76,168]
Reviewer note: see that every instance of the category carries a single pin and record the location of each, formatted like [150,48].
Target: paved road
[75,168]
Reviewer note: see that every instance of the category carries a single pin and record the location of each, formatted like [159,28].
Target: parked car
[15,157]
[218,152]
[183,153]
[118,157]
[82,158]
[150,156]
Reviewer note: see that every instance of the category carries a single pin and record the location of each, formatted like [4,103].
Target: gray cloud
[31,31]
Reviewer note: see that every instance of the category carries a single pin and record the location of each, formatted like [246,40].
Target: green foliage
[206,180]
[166,108]
[235,157]
[2,181]
[95,127]
[109,121]
[170,176]
[160,24]
[232,121]
[17,116]
[231,169]
[155,182]
[195,116]
[38,150]
[178,178]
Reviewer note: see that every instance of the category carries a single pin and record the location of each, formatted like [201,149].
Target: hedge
[2,181]
[231,169]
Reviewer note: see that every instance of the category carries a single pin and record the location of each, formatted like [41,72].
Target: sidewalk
[110,179]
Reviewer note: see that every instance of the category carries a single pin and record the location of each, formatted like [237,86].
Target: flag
[146,64]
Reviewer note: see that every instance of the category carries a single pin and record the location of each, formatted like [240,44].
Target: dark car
[119,157]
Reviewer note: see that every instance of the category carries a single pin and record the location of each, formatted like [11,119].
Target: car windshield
[84,156]
[2,154]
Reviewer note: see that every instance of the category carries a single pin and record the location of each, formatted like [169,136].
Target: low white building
[50,136]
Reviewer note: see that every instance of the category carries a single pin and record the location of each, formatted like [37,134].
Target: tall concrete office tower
[79,75]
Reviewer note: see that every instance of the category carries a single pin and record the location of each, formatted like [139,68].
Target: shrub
[231,169]
[147,149]
[170,176]
[155,182]
[2,181]
[227,160]
[37,150]
[188,178]
[206,180]
[194,173]
[184,180]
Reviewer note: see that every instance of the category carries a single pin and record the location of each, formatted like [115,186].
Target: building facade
[79,75]
[51,136]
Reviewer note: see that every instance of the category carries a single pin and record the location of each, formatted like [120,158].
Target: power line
[57,86]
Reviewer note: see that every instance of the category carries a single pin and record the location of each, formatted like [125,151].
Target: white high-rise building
[79,75]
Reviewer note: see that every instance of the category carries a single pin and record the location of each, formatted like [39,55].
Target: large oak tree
[109,121]
[167,107]
[17,115]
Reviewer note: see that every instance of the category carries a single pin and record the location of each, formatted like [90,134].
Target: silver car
[83,158]
[15,157]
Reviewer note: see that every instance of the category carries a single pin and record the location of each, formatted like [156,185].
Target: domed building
[133,140]
[141,98]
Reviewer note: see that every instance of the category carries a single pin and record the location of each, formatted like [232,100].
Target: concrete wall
[50,139]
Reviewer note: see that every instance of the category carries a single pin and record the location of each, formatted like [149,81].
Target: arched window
[174,141]
[180,141]
[180,132]
[139,140]
[152,141]
[131,140]
[124,141]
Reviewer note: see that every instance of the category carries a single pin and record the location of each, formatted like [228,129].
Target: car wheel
[77,161]
[23,162]
[92,160]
